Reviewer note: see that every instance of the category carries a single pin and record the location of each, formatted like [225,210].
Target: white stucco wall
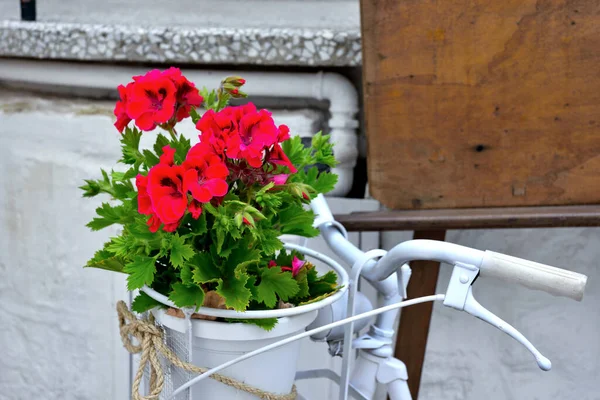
[59,333]
[467,359]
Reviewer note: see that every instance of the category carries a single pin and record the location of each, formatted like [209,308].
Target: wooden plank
[475,218]
[411,341]
[482,103]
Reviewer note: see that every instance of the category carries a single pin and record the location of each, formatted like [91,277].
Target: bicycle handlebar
[556,281]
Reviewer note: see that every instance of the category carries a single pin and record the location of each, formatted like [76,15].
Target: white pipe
[336,89]
[407,303]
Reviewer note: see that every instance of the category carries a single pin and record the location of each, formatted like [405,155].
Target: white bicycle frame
[375,364]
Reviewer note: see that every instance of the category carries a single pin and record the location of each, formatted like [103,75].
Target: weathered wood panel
[482,103]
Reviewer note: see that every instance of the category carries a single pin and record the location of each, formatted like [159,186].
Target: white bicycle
[389,273]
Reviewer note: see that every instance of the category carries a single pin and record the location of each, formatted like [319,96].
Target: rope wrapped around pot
[150,338]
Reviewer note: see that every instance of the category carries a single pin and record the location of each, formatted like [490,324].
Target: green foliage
[234,290]
[141,272]
[179,250]
[186,295]
[104,259]
[143,303]
[204,269]
[275,283]
[320,285]
[161,141]
[181,145]
[294,220]
[108,215]
[130,144]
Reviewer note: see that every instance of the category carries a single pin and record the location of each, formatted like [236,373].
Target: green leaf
[295,220]
[119,245]
[143,303]
[220,232]
[296,151]
[108,215]
[195,116]
[133,171]
[204,268]
[199,226]
[322,149]
[266,323]
[181,145]
[180,251]
[275,283]
[141,272]
[321,182]
[302,279]
[161,141]
[187,296]
[319,286]
[269,241]
[130,143]
[151,158]
[123,190]
[95,187]
[242,256]
[234,291]
[321,297]
[104,259]
[186,274]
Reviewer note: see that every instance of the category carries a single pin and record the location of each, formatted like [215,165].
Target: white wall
[59,335]
[467,359]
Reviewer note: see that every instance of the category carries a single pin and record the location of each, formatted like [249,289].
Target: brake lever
[459,296]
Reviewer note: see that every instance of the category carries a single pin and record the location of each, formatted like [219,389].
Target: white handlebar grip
[532,275]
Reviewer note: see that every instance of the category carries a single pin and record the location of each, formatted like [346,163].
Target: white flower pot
[215,343]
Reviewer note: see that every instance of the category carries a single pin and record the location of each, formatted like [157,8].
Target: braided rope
[151,345]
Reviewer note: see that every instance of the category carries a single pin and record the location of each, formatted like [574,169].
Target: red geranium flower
[120,108]
[256,132]
[169,200]
[277,156]
[145,203]
[187,95]
[216,128]
[168,155]
[205,175]
[151,100]
[241,132]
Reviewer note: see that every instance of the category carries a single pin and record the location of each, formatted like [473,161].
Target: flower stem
[173,133]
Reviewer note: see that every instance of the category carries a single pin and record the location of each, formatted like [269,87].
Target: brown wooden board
[472,218]
[482,103]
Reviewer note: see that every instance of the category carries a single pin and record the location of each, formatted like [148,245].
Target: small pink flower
[297,264]
[272,264]
[279,179]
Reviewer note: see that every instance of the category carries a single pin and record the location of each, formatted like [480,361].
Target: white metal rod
[407,303]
